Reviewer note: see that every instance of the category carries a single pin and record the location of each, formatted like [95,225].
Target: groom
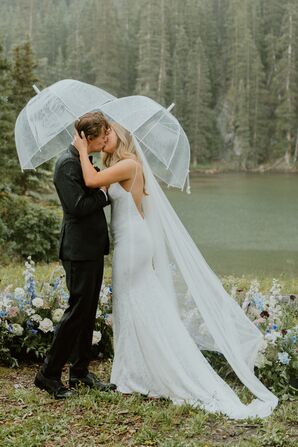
[83,244]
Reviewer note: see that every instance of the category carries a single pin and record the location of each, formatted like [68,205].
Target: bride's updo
[125,147]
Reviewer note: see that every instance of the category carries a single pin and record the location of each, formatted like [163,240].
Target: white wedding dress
[155,351]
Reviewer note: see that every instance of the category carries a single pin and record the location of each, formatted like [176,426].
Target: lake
[243,223]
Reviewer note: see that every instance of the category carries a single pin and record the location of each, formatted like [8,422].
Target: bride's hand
[80,143]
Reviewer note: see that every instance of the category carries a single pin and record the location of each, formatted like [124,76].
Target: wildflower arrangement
[277,360]
[29,315]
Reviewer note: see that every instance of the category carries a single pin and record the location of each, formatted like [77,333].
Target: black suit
[83,243]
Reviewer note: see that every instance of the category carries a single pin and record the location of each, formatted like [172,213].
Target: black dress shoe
[52,386]
[91,381]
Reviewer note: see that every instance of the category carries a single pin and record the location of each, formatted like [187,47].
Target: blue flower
[56,283]
[65,296]
[34,331]
[293,339]
[259,303]
[3,314]
[283,358]
[31,287]
[10,328]
[274,327]
[110,289]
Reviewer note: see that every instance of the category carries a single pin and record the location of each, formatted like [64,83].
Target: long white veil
[213,318]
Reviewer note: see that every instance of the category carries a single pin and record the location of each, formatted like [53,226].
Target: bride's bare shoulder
[128,163]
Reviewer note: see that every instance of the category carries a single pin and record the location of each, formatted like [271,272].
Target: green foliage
[28,228]
[7,118]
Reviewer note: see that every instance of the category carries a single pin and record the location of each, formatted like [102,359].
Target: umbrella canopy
[159,134]
[44,128]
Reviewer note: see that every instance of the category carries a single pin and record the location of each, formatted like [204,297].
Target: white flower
[272,336]
[250,294]
[17,329]
[104,298]
[57,315]
[19,293]
[46,325]
[109,319]
[30,311]
[260,360]
[37,318]
[263,345]
[5,302]
[284,358]
[104,294]
[37,302]
[96,337]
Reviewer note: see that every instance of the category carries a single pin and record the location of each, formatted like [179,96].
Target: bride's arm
[123,170]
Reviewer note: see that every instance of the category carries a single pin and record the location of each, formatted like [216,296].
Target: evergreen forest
[230,67]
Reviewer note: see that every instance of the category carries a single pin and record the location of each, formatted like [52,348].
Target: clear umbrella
[44,128]
[159,134]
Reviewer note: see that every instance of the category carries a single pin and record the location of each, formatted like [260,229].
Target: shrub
[28,228]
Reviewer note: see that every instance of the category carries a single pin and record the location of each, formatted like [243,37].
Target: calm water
[243,224]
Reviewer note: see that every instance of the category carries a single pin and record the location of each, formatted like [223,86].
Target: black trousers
[73,335]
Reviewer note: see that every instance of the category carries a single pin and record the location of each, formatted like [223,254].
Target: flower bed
[29,315]
[276,317]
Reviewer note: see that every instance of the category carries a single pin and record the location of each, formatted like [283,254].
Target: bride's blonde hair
[125,147]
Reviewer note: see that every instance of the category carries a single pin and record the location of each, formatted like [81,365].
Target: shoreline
[221,167]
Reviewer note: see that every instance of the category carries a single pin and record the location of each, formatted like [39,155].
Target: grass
[30,417]
[12,274]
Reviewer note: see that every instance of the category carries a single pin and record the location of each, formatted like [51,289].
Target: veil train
[213,318]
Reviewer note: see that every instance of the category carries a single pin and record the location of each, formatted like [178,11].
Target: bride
[168,305]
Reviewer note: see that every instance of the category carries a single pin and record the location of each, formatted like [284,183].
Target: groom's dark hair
[92,124]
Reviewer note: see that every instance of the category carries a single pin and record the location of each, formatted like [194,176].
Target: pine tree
[200,116]
[128,46]
[23,77]
[101,34]
[7,117]
[78,64]
[153,52]
[246,96]
[285,85]
[180,75]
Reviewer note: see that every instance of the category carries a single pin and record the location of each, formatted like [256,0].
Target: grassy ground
[12,274]
[29,418]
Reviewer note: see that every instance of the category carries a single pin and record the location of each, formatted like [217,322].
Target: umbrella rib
[71,113]
[33,134]
[155,124]
[174,150]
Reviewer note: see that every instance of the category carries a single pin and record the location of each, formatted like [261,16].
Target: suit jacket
[84,232]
